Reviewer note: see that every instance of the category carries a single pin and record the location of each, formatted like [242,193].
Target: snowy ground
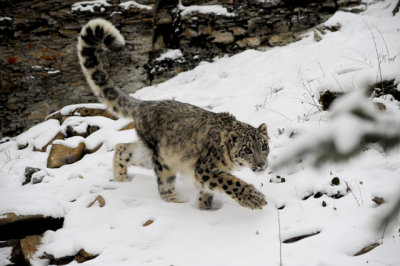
[270,86]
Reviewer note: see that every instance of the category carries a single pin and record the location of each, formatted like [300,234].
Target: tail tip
[97,30]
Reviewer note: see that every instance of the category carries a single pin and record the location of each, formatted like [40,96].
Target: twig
[377,55]
[384,230]
[297,196]
[278,113]
[349,189]
[338,83]
[280,239]
[384,42]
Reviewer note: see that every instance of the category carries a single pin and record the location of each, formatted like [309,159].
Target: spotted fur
[178,137]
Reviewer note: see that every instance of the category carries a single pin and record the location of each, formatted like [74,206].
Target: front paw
[251,198]
[170,197]
[121,178]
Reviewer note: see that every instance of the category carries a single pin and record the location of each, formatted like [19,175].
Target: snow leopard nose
[261,165]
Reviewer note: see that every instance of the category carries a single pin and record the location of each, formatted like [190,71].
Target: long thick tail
[94,34]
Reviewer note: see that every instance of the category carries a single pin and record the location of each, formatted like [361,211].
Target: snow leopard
[176,137]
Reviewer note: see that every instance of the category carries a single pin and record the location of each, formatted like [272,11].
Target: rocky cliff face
[39,68]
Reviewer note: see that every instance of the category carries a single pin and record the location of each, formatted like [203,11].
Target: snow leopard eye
[247,150]
[264,147]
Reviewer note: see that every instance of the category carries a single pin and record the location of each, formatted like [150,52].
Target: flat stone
[12,217]
[190,33]
[281,39]
[99,200]
[222,37]
[61,155]
[238,31]
[251,42]
[129,126]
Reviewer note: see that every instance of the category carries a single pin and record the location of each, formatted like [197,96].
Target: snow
[5,255]
[204,9]
[89,6]
[67,110]
[171,54]
[72,142]
[129,4]
[275,86]
[54,71]
[40,135]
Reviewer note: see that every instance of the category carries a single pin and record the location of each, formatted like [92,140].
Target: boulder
[29,246]
[60,154]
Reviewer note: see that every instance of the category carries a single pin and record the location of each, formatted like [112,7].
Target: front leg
[243,193]
[205,200]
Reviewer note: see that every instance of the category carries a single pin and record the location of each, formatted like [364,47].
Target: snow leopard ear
[263,129]
[233,136]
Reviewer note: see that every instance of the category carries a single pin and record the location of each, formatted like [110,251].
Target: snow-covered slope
[274,86]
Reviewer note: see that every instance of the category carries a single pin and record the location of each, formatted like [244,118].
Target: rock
[82,111]
[57,261]
[148,222]
[99,200]
[38,176]
[12,217]
[307,196]
[222,37]
[378,200]
[71,132]
[251,42]
[281,39]
[317,37]
[384,88]
[16,256]
[318,195]
[298,238]
[277,179]
[129,126]
[189,34]
[59,136]
[14,226]
[23,146]
[381,106]
[238,31]
[61,155]
[335,181]
[29,171]
[29,246]
[327,97]
[367,249]
[83,256]
[80,257]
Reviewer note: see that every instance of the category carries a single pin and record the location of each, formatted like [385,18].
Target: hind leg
[165,180]
[126,154]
